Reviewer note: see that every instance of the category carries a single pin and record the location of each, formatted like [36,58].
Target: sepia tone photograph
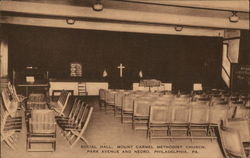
[125,78]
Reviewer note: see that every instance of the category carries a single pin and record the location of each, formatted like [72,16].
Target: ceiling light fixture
[70,21]
[178,28]
[98,6]
[234,18]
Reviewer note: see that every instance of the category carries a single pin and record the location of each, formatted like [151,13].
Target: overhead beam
[108,26]
[225,5]
[120,15]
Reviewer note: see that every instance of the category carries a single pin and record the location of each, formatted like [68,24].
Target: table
[33,85]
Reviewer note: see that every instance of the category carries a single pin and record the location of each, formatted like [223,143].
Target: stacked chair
[74,125]
[11,123]
[60,105]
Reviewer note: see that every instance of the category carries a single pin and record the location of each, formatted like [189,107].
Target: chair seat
[53,104]
[41,139]
[57,109]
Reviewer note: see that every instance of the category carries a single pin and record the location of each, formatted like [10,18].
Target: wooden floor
[107,131]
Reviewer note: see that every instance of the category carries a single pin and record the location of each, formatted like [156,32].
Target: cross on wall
[121,67]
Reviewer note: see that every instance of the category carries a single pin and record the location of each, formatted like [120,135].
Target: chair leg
[85,140]
[75,141]
[121,116]
[54,145]
[9,144]
[133,122]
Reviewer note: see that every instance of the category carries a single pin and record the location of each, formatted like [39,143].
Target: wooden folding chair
[159,121]
[42,129]
[110,100]
[19,98]
[10,105]
[179,127]
[127,108]
[36,101]
[73,115]
[118,103]
[217,116]
[77,133]
[199,120]
[76,124]
[7,135]
[68,124]
[231,143]
[102,98]
[243,128]
[141,114]
[242,112]
[61,104]
[12,121]
[72,111]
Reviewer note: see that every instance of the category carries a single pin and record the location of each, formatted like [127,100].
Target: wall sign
[75,69]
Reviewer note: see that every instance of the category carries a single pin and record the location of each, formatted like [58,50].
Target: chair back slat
[118,99]
[73,108]
[218,114]
[42,121]
[180,114]
[78,106]
[110,97]
[141,107]
[84,115]
[160,114]
[199,113]
[128,102]
[80,113]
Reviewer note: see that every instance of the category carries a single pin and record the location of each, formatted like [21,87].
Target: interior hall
[124,78]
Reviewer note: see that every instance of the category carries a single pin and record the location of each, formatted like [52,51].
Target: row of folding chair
[74,125]
[134,107]
[60,105]
[182,121]
[10,122]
